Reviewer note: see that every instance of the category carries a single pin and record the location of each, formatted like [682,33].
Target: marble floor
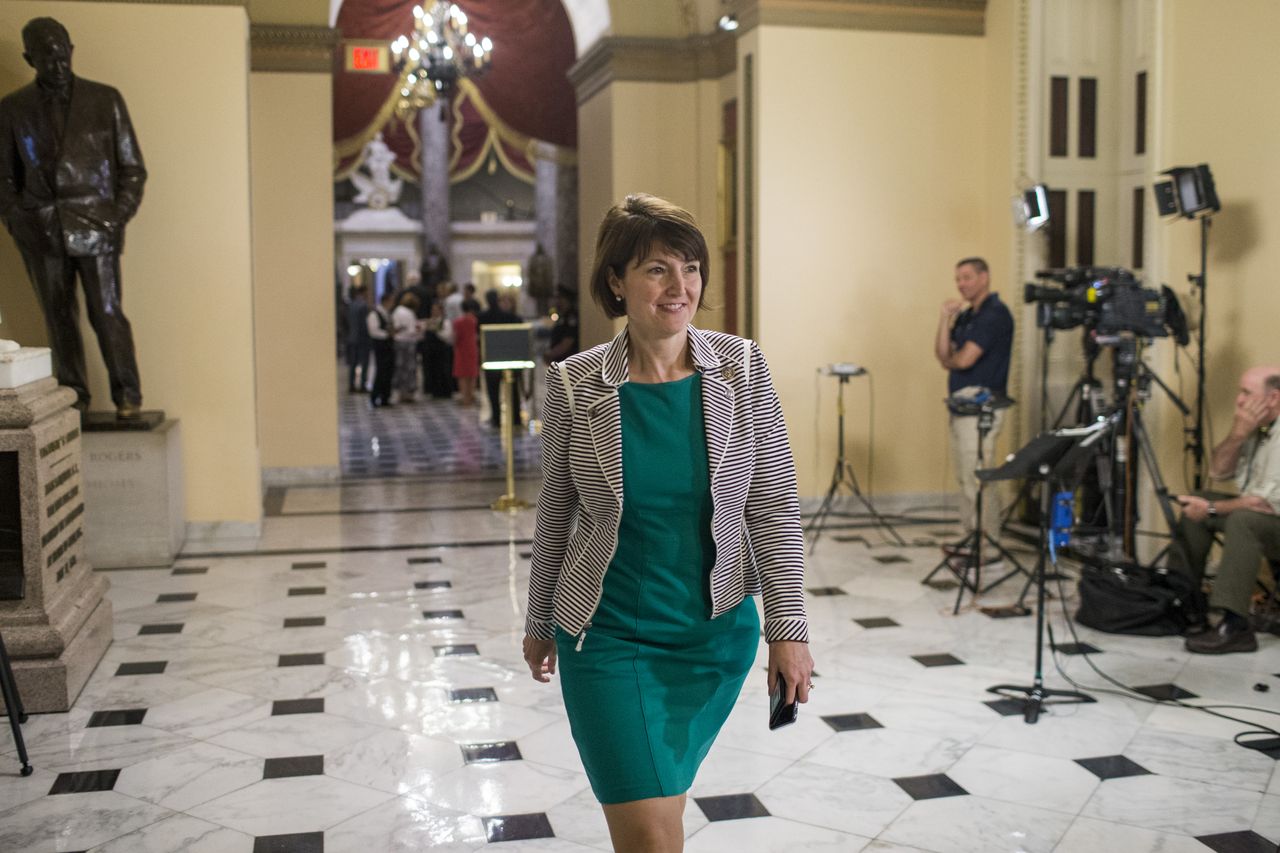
[354,683]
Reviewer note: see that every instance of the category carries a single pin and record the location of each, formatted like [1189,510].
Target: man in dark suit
[71,176]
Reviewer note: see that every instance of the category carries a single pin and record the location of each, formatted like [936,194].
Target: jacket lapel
[717,399]
[604,413]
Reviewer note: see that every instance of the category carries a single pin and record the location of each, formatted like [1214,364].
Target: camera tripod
[1055,459]
[13,706]
[843,476]
[970,548]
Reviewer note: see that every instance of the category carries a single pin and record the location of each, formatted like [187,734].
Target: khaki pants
[964,455]
[1247,537]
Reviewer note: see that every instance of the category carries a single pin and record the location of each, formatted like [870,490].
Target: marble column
[436,217]
[556,206]
[53,614]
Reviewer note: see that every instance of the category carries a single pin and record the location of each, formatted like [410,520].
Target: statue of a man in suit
[71,176]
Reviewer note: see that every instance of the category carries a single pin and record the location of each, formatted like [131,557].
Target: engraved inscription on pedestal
[135,512]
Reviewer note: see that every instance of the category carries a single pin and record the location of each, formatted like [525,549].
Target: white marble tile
[396,762]
[288,682]
[1063,732]
[74,821]
[285,806]
[977,825]
[1201,759]
[553,745]
[205,714]
[1088,835]
[726,770]
[887,753]
[295,734]
[771,835]
[1058,784]
[393,702]
[180,832]
[839,799]
[190,776]
[965,719]
[1174,805]
[503,787]
[135,691]
[406,824]
[103,747]
[1267,823]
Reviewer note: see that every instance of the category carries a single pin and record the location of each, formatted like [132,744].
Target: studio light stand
[843,475]
[1054,458]
[970,548]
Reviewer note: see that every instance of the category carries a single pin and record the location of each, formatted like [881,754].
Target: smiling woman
[644,563]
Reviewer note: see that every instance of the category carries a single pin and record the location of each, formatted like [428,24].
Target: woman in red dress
[466,351]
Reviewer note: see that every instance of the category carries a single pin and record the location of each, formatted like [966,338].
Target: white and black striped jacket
[753,487]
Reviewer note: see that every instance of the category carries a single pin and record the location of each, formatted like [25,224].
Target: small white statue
[378,189]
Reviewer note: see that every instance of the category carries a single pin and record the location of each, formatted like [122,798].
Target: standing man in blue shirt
[973,343]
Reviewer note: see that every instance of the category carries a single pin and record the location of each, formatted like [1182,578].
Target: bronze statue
[71,176]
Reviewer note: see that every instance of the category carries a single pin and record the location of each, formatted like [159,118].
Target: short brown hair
[627,233]
[978,264]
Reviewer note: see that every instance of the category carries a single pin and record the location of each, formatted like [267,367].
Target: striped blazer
[755,521]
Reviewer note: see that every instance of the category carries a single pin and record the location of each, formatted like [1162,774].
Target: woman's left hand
[793,661]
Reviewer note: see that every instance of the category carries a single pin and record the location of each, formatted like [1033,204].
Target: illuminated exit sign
[368,57]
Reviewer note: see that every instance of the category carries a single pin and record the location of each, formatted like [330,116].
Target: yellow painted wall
[291,117]
[872,178]
[187,271]
[312,13]
[595,195]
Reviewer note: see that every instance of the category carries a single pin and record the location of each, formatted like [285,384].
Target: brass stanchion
[508,502]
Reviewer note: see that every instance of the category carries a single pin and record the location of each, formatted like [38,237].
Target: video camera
[1106,300]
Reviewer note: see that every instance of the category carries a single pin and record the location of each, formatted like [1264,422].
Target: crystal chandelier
[439,52]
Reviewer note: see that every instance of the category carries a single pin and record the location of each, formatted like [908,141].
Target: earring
[617,297]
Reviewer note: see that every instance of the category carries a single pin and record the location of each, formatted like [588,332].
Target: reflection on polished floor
[354,683]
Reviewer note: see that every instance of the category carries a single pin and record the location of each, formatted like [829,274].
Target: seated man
[1248,523]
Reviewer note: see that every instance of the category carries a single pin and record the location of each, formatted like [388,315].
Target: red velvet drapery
[525,95]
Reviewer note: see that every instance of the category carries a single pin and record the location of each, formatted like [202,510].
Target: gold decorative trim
[276,47]
[656,60]
[941,17]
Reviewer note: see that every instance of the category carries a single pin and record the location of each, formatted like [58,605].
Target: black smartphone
[781,714]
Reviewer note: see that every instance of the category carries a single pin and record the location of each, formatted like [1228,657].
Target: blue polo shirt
[990,327]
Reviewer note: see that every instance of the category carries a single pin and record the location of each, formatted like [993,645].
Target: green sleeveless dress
[655,678]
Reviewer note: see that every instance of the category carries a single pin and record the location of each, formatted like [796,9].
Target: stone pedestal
[133,487]
[55,620]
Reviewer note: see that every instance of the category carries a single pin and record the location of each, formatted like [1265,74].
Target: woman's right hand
[540,655]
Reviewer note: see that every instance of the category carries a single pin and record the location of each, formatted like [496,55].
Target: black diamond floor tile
[517,827]
[1112,767]
[887,559]
[190,570]
[151,667]
[170,597]
[298,842]
[161,628]
[84,782]
[433,585]
[731,807]
[422,561]
[460,649]
[442,614]
[280,707]
[473,694]
[1268,746]
[930,787]
[1165,691]
[1246,841]
[123,717]
[312,564]
[298,765]
[877,622]
[826,590]
[475,753]
[943,585]
[304,622]
[309,659]
[1077,649]
[306,590]
[1006,707]
[852,722]
[937,660]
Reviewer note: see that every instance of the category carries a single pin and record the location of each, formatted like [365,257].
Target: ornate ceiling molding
[945,17]
[278,47]
[653,60]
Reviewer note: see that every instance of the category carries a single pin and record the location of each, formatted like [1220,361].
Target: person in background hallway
[497,312]
[973,343]
[644,603]
[405,321]
[435,267]
[1248,521]
[382,335]
[466,352]
[564,334]
[359,344]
